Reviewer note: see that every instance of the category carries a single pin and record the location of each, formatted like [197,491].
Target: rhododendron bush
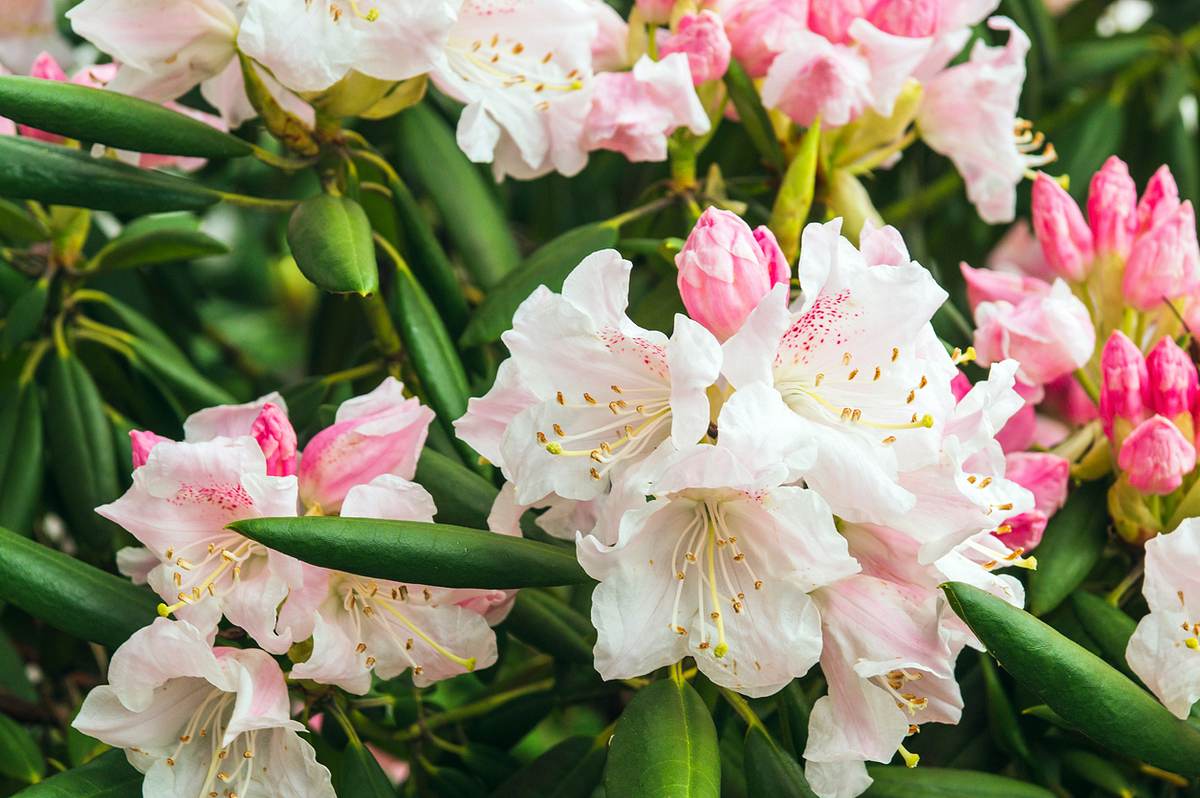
[583,398]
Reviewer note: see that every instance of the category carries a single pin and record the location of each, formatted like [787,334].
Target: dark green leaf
[664,745]
[474,221]
[1002,719]
[1084,690]
[1070,547]
[1087,143]
[462,497]
[770,771]
[453,783]
[491,765]
[409,551]
[1106,625]
[892,781]
[157,246]
[1090,59]
[794,708]
[20,758]
[548,266]
[25,315]
[13,678]
[541,620]
[21,457]
[18,226]
[754,117]
[71,595]
[111,118]
[107,776]
[330,238]
[361,775]
[63,176]
[180,375]
[1098,770]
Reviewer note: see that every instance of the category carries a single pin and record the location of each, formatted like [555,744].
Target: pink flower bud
[989,285]
[655,11]
[1024,531]
[379,433]
[1124,383]
[1165,262]
[832,18]
[1067,398]
[1044,475]
[1065,237]
[759,30]
[1112,208]
[277,439]
[142,441]
[1159,199]
[913,18]
[1049,335]
[1172,379]
[960,386]
[725,270]
[701,37]
[1156,456]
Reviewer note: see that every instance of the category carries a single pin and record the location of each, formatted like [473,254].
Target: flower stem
[1117,595]
[622,219]
[1088,384]
[386,336]
[742,707]
[475,709]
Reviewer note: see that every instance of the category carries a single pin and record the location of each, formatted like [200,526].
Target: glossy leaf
[544,622]
[1084,690]
[154,247]
[1107,625]
[21,457]
[893,781]
[71,595]
[330,238]
[1098,770]
[111,118]
[770,770]
[20,758]
[1002,719]
[361,775]
[462,497]
[664,745]
[18,226]
[548,266]
[107,776]
[753,116]
[63,176]
[410,551]
[25,315]
[553,771]
[1070,547]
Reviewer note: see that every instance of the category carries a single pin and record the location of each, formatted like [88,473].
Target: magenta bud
[1173,381]
[960,386]
[141,442]
[912,18]
[1125,383]
[1112,208]
[1061,230]
[1023,532]
[725,269]
[277,439]
[1164,262]
[701,37]
[1156,456]
[1159,199]
[1044,475]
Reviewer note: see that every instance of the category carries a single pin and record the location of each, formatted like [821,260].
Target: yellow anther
[910,759]
[1192,643]
[554,447]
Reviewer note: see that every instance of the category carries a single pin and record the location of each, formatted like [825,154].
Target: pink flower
[1050,335]
[759,30]
[655,11]
[1159,199]
[1043,474]
[817,77]
[990,285]
[1065,237]
[1020,431]
[1172,379]
[1164,262]
[1124,384]
[1018,251]
[265,419]
[701,37]
[381,432]
[725,270]
[610,47]
[1156,456]
[141,442]
[1112,208]
[913,18]
[832,18]
[633,112]
[1066,397]
[1023,532]
[277,439]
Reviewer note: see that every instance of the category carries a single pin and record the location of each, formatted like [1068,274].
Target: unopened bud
[1124,386]
[1112,208]
[1156,456]
[1065,237]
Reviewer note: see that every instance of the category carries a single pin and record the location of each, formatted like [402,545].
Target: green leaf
[1107,625]
[21,457]
[1098,770]
[548,266]
[664,745]
[410,551]
[71,595]
[361,775]
[330,238]
[60,175]
[550,625]
[25,315]
[1096,57]
[753,116]
[82,458]
[462,497]
[20,757]
[153,247]
[1084,690]
[18,226]
[179,374]
[13,677]
[568,770]
[1002,719]
[794,710]
[891,781]
[473,219]
[770,771]
[107,776]
[1070,547]
[795,197]
[114,119]
[1089,141]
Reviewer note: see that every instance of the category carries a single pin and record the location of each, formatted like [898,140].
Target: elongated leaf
[542,775]
[21,457]
[795,197]
[20,758]
[1002,719]
[157,246]
[361,775]
[548,266]
[794,710]
[665,745]
[330,238]
[25,315]
[892,781]
[1083,689]
[18,226]
[1070,547]
[1107,625]
[541,620]
[463,498]
[770,771]
[108,117]
[13,677]
[1098,770]
[474,221]
[107,776]
[197,390]
[409,551]
[62,176]
[71,595]
[754,117]
[1094,58]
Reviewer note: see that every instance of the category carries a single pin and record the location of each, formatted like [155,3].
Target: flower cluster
[778,483]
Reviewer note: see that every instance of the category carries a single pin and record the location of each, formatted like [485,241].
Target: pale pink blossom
[1047,477]
[1156,456]
[1164,650]
[725,270]
[818,78]
[196,719]
[759,30]
[1050,335]
[634,112]
[28,29]
[1018,251]
[1124,385]
[991,285]
[655,11]
[1069,401]
[1164,262]
[701,37]
[1021,429]
[610,48]
[1112,208]
[141,442]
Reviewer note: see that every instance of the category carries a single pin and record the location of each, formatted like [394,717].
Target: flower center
[199,581]
[230,768]
[1028,142]
[505,62]
[336,12]
[629,427]
[1190,630]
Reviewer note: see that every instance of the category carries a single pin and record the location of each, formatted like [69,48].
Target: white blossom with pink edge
[586,392]
[28,29]
[1165,648]
[202,721]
